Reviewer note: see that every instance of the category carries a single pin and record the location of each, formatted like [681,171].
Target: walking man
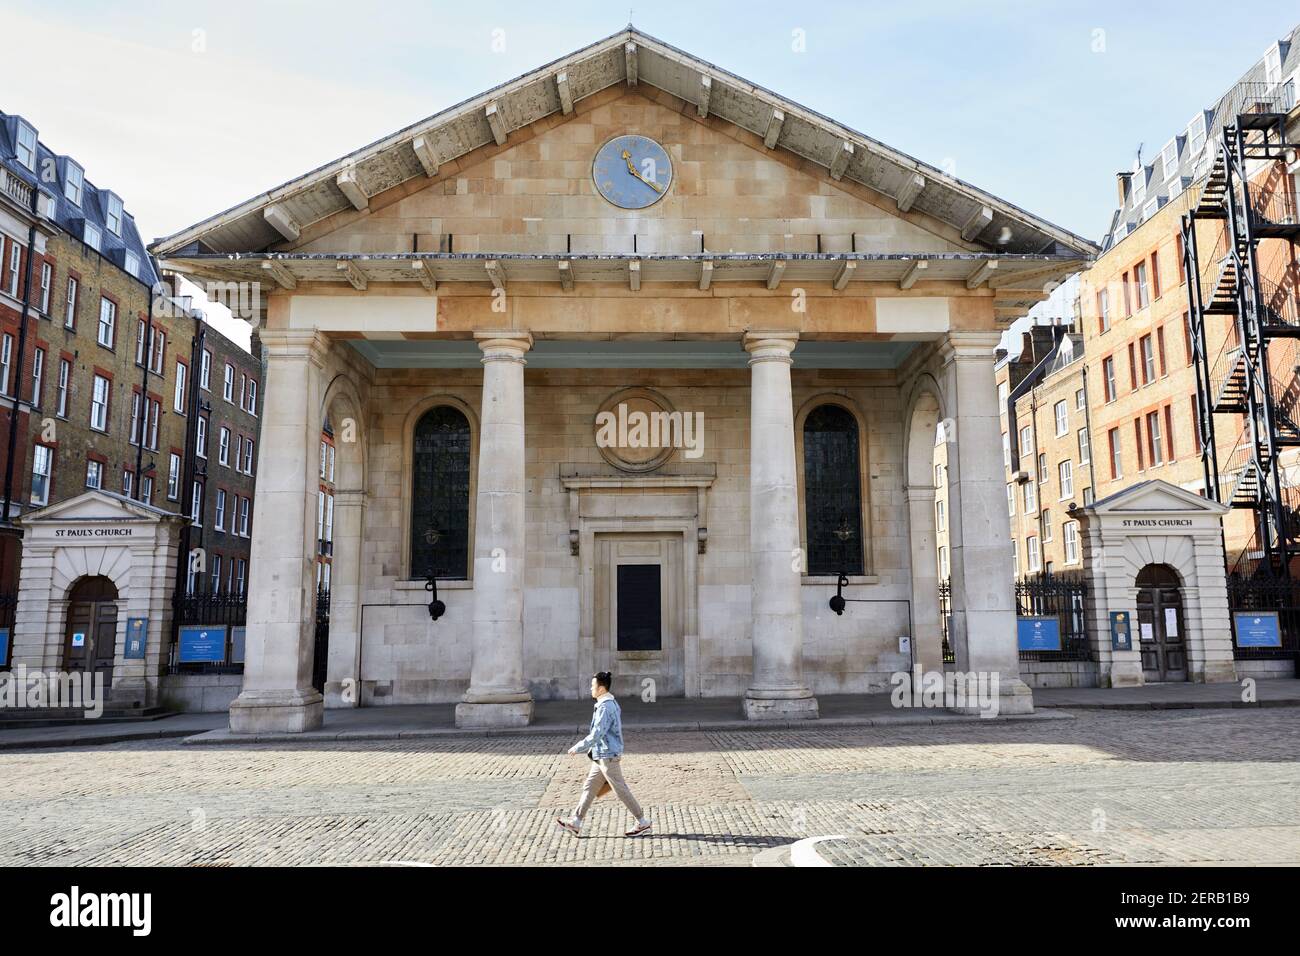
[604,746]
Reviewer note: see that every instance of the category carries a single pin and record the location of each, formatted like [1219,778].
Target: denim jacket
[605,740]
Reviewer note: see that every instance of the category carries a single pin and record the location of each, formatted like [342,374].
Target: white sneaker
[572,824]
[641,827]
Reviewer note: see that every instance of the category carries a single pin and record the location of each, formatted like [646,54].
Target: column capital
[773,346]
[965,346]
[919,493]
[504,345]
[295,343]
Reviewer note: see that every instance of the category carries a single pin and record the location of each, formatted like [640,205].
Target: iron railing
[1061,596]
[211,610]
[8,607]
[1267,593]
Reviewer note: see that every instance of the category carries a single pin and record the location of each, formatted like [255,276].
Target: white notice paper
[1146,633]
[1171,622]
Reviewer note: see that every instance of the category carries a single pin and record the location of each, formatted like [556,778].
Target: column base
[509,714]
[1219,672]
[280,711]
[1125,674]
[1014,697]
[781,708]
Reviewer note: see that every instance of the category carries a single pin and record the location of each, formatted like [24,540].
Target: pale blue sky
[1013,95]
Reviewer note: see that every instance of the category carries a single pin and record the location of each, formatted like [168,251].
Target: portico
[465,388]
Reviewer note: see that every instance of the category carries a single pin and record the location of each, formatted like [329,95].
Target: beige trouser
[602,770]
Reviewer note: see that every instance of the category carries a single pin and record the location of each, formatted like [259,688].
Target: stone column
[927,633]
[979,531]
[345,602]
[498,695]
[778,690]
[277,694]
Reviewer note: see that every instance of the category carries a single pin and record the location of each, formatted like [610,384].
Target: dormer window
[91,236]
[1151,208]
[1196,136]
[1273,65]
[27,145]
[1169,158]
[113,214]
[1139,188]
[133,264]
[72,183]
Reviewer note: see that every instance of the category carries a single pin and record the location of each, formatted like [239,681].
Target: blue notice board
[137,629]
[4,645]
[1039,633]
[1257,629]
[200,644]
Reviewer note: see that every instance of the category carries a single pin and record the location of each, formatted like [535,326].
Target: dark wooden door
[90,638]
[1161,634]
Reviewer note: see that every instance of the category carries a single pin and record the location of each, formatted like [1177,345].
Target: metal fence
[208,610]
[1061,596]
[8,605]
[1267,594]
[1043,595]
[320,659]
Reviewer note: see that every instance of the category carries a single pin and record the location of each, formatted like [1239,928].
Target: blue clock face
[632,172]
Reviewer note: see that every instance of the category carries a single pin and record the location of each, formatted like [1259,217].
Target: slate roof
[68,215]
[1180,162]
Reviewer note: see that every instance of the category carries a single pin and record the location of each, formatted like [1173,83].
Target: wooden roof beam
[913,273]
[564,91]
[426,154]
[352,272]
[777,271]
[282,222]
[706,275]
[424,272]
[840,161]
[982,272]
[706,91]
[844,274]
[497,123]
[282,276]
[977,223]
[910,189]
[629,57]
[350,186]
[774,124]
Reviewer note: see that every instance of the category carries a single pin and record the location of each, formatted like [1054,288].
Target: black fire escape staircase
[1238,388]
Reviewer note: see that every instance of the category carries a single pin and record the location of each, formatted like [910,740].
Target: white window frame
[65,377]
[201,437]
[131,262]
[247,462]
[1062,410]
[40,452]
[38,376]
[25,145]
[98,407]
[1011,501]
[252,396]
[15,259]
[6,362]
[1065,472]
[1033,554]
[109,326]
[178,398]
[47,279]
[219,521]
[97,469]
[1085,446]
[174,477]
[74,179]
[223,446]
[205,371]
[228,383]
[70,306]
[1071,531]
[113,214]
[91,235]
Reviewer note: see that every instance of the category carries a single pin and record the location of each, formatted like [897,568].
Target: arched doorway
[1162,635]
[90,637]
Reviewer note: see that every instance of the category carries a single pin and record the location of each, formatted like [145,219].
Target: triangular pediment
[725,194]
[1157,496]
[425,153]
[96,505]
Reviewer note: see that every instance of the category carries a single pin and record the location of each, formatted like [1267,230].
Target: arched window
[440,494]
[832,490]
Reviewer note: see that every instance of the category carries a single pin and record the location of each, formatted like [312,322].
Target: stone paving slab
[1267,693]
[1105,788]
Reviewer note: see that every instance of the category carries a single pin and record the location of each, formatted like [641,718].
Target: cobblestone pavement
[1107,787]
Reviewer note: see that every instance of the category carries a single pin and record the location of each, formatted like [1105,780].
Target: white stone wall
[408,659]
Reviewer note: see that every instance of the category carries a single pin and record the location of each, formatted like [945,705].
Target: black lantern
[844,532]
[436,607]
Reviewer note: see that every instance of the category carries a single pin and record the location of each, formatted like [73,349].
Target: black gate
[320,660]
[1061,596]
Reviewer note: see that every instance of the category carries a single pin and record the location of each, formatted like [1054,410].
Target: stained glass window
[440,494]
[832,490]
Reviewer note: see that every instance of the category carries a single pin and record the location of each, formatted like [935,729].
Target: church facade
[637,363]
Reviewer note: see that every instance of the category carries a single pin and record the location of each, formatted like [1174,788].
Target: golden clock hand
[633,170]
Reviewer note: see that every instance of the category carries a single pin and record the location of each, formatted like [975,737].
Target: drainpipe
[22,348]
[1087,423]
[138,489]
[191,447]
